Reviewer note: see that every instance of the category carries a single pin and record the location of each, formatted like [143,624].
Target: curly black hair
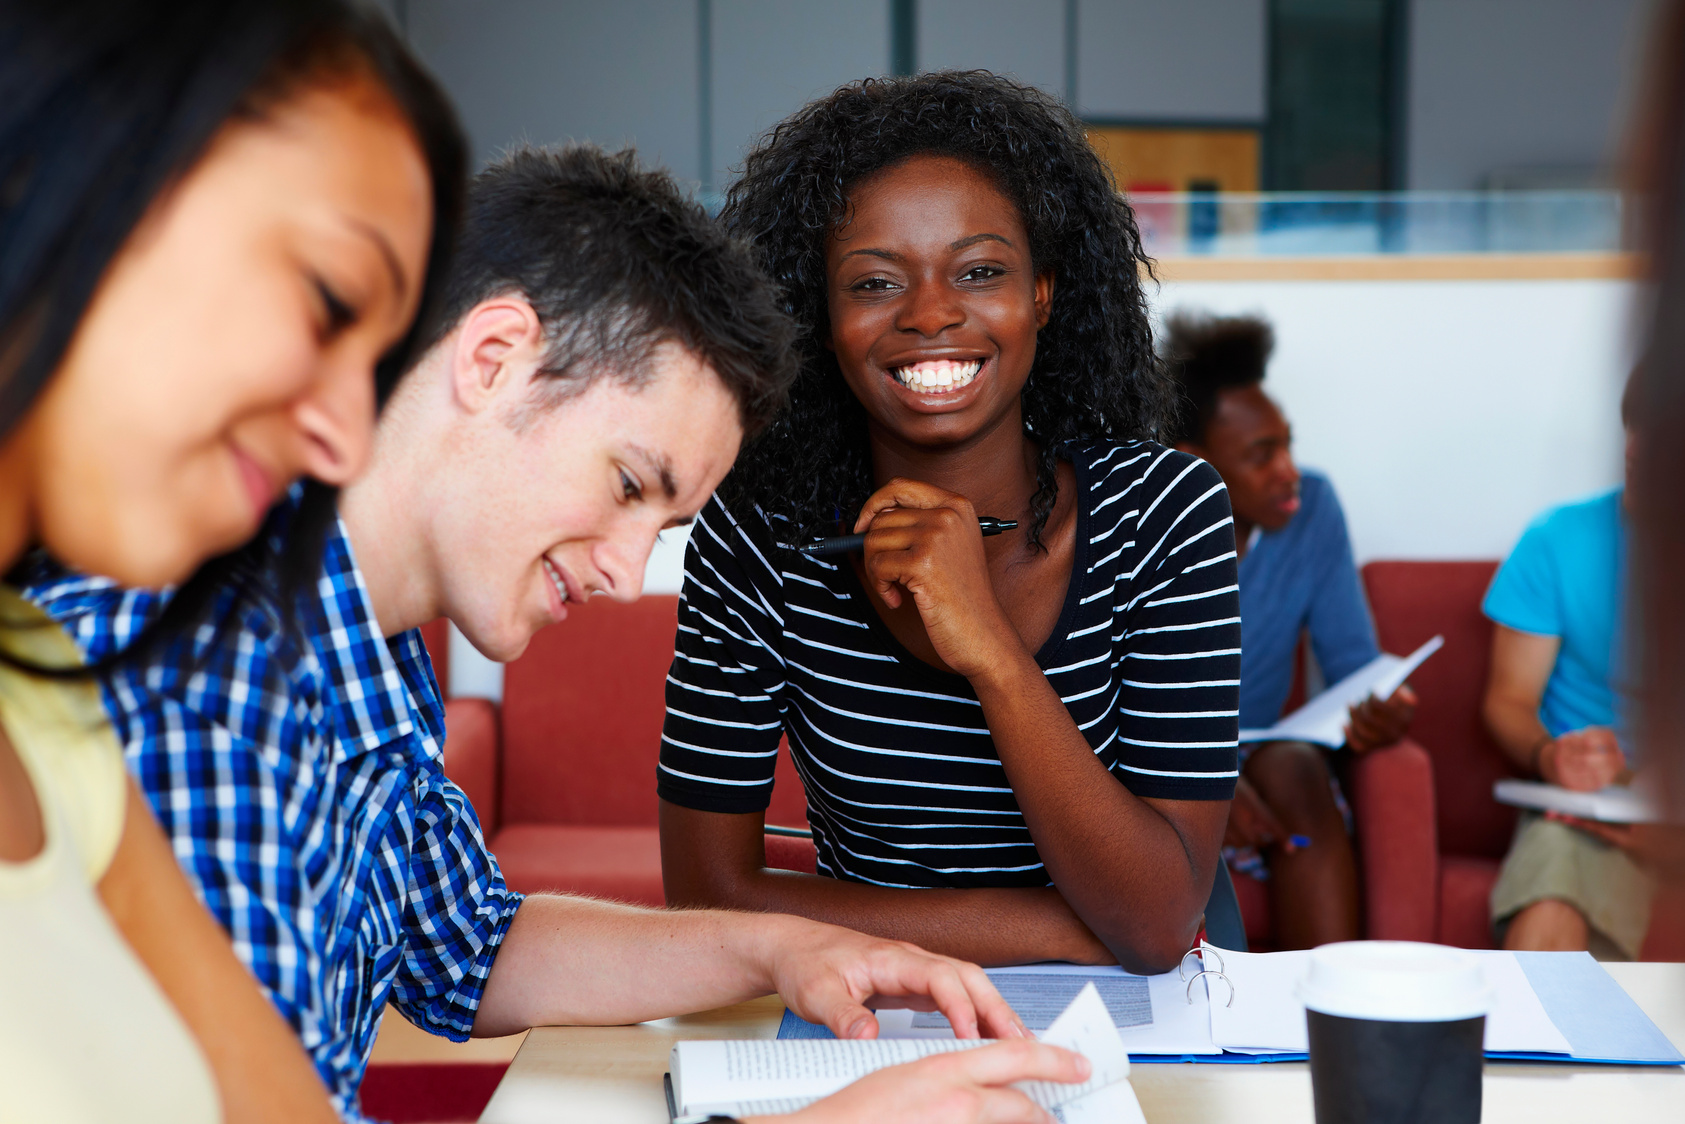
[1095,374]
[1207,355]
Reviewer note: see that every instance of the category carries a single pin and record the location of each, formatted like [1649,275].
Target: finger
[995,1015]
[1022,1059]
[1405,695]
[942,983]
[902,492]
[848,1019]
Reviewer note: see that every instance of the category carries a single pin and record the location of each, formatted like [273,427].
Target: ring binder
[1204,951]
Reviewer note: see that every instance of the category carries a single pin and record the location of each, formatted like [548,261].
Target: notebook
[1614,804]
[1323,719]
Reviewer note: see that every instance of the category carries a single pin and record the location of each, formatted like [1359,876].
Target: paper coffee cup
[1396,1033]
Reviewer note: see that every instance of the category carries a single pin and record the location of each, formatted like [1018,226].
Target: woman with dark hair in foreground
[1015,748]
[216,226]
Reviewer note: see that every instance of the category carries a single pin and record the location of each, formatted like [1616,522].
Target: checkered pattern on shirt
[303,790]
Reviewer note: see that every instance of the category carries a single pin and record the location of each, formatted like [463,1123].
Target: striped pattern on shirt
[903,781]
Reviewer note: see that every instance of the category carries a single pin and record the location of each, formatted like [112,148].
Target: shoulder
[1571,524]
[1145,471]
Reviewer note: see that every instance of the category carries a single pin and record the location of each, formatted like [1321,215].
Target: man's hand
[1657,847]
[1377,723]
[1252,823]
[924,541]
[964,1087]
[1583,760]
[827,974]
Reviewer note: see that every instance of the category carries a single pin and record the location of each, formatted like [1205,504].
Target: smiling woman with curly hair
[1015,748]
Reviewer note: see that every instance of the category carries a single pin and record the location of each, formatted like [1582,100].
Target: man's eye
[629,487]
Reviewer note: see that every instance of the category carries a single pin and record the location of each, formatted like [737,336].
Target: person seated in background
[1554,705]
[600,349]
[1015,748]
[1289,822]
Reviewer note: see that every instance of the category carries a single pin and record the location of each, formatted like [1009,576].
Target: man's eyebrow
[976,238]
[663,469]
[374,235]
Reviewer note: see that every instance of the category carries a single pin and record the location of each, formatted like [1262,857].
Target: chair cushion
[1465,900]
[623,863]
[1254,898]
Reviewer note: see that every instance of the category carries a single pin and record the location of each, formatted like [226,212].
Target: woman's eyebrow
[390,255]
[972,240]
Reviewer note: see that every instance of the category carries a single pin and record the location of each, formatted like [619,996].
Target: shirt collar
[372,704]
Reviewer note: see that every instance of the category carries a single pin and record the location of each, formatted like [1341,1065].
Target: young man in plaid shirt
[601,352]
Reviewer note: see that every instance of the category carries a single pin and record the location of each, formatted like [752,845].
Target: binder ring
[1204,951]
[1182,965]
[1208,972]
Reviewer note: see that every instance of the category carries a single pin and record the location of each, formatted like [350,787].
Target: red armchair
[562,775]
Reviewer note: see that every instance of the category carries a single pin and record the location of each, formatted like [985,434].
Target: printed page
[1323,719]
[1172,1021]
[746,1078]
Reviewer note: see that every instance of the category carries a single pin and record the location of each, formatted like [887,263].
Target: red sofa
[563,773]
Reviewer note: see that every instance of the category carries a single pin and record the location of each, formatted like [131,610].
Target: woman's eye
[982,273]
[873,285]
[338,314]
[629,487]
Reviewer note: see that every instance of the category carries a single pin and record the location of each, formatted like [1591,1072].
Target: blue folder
[1602,1024]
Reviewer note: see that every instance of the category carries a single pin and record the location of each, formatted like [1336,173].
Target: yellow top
[85,1032]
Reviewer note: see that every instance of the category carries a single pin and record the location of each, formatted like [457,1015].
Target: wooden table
[606,1075]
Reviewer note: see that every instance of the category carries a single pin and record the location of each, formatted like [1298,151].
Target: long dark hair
[103,105]
[1095,374]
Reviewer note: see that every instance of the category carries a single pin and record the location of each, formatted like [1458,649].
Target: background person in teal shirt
[1553,703]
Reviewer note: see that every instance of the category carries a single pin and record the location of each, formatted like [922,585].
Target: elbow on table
[1154,947]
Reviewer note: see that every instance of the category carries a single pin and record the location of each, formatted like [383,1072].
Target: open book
[756,1077]
[1615,804]
[1323,719]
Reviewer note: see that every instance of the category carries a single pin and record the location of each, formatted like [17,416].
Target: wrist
[1004,668]
[1542,760]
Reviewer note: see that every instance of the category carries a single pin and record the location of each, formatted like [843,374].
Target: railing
[1294,224]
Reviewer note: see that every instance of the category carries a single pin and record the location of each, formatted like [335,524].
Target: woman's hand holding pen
[924,541]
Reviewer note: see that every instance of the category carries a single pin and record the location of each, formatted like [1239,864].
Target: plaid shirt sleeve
[458,913]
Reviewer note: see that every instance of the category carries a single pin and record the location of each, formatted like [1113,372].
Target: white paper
[1267,1016]
[1323,719]
[1615,804]
[1179,1025]
[1115,1104]
[765,1076]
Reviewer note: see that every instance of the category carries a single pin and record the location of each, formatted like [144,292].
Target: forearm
[1515,726]
[991,926]
[1137,879]
[577,961]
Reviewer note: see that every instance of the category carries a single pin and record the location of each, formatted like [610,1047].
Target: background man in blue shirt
[1297,577]
[1555,703]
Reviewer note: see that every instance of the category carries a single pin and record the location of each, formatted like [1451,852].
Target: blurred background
[1422,195]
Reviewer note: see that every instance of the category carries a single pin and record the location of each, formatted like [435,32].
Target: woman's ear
[499,344]
[1044,298]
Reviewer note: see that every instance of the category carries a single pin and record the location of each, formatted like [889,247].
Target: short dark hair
[1207,355]
[1095,376]
[616,261]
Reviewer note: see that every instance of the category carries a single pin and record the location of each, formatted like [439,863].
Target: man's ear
[499,343]
[1044,298]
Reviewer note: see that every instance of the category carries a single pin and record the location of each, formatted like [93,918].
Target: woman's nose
[336,419]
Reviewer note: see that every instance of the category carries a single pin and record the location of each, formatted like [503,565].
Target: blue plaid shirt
[303,790]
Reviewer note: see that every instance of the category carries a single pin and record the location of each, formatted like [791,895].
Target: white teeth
[556,580]
[938,376]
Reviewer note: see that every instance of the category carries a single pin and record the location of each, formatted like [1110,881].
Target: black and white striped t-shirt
[904,785]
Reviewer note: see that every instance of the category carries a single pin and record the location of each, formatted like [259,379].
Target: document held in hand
[1615,804]
[1323,719]
[764,1076]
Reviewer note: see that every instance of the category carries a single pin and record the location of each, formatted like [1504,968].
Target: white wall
[1023,38]
[1502,84]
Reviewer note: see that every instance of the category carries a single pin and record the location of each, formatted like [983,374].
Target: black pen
[847,544]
